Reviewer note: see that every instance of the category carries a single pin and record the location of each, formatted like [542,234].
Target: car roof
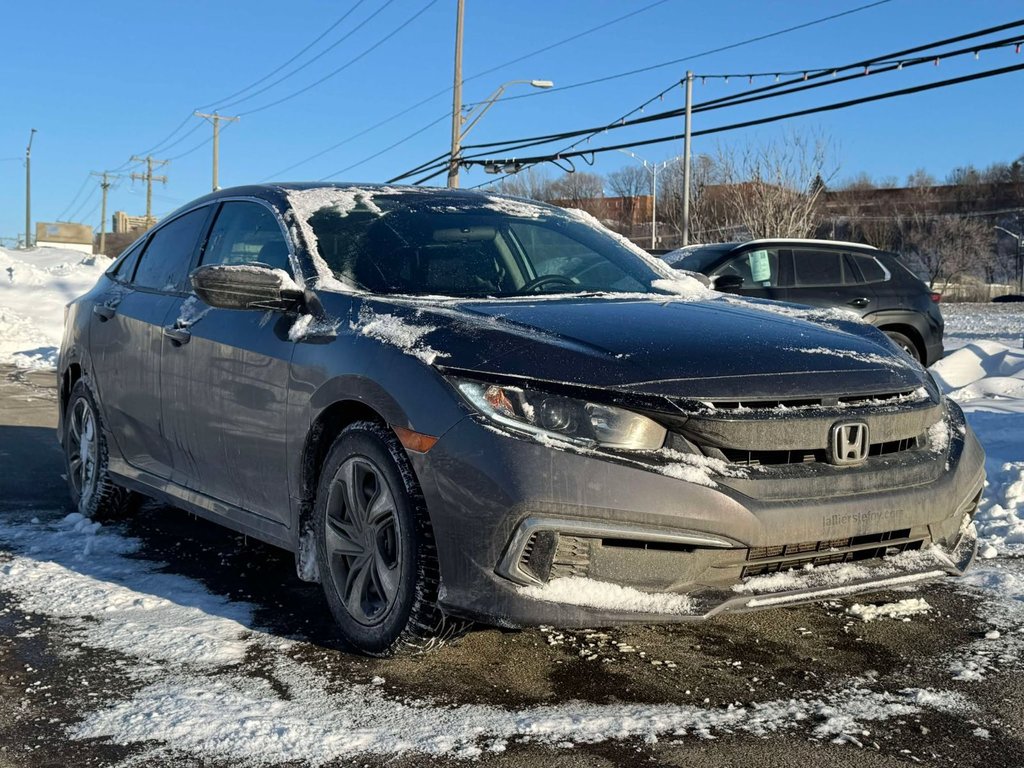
[807,241]
[277,193]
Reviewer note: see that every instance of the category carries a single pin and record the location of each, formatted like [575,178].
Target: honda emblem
[848,443]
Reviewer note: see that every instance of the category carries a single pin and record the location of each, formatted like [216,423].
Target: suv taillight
[936,297]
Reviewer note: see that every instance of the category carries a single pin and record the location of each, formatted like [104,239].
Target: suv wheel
[375,547]
[93,493]
[904,343]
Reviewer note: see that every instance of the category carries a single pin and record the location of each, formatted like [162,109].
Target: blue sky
[101,81]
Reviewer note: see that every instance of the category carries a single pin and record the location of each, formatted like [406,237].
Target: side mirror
[728,283]
[245,286]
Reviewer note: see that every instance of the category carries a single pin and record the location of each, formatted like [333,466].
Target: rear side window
[246,233]
[167,258]
[817,268]
[124,266]
[869,267]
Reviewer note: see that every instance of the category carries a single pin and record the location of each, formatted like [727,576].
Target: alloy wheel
[82,451]
[363,540]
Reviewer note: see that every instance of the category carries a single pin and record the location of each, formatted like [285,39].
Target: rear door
[230,368]
[827,277]
[126,339]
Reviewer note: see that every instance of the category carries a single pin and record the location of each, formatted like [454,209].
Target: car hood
[725,348]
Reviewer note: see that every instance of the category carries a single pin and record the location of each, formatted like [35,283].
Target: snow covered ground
[186,652]
[34,287]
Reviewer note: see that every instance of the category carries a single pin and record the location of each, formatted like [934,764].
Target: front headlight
[563,418]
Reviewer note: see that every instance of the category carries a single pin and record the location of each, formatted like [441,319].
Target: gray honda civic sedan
[455,406]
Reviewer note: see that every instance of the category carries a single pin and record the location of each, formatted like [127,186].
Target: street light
[1018,271]
[464,122]
[652,168]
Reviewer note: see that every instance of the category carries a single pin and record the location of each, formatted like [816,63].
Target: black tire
[905,343]
[93,493]
[375,547]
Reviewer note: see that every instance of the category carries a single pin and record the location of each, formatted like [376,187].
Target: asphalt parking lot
[809,661]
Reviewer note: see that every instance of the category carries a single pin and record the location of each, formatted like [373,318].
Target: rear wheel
[375,547]
[904,343]
[93,493]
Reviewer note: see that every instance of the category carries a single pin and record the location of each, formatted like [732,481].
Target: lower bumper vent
[783,557]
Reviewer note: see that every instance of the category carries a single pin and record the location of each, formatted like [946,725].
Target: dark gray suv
[454,406]
[827,273]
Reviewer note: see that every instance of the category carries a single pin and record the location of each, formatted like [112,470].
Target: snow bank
[35,285]
[987,379]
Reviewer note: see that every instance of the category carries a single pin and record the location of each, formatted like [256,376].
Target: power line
[74,200]
[780,89]
[701,54]
[346,65]
[415,133]
[273,72]
[892,61]
[774,118]
[444,91]
[322,53]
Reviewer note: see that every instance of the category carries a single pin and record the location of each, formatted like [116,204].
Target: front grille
[884,398]
[783,557]
[809,455]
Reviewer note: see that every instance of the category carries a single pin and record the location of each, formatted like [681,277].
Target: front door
[230,369]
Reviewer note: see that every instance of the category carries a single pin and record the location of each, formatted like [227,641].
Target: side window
[817,268]
[759,269]
[873,271]
[246,233]
[124,266]
[167,258]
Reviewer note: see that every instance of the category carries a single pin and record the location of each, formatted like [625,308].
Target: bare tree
[947,247]
[533,183]
[773,190]
[630,183]
[577,190]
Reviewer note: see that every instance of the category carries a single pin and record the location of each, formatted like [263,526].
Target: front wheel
[92,491]
[904,343]
[375,547]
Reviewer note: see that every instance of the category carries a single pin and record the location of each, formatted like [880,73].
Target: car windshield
[451,247]
[699,258]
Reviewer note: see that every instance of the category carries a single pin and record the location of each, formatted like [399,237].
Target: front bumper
[511,515]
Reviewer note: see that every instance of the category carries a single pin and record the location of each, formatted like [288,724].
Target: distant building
[125,224]
[76,237]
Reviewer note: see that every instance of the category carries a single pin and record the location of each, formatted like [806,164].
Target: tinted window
[466,250]
[871,269]
[124,266]
[759,268]
[168,256]
[246,233]
[817,268]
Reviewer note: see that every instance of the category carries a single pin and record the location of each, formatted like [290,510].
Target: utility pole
[453,163]
[104,185]
[28,190]
[149,178]
[686,161]
[215,119]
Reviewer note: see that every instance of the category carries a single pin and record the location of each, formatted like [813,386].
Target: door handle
[103,312]
[178,335]
[861,302]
